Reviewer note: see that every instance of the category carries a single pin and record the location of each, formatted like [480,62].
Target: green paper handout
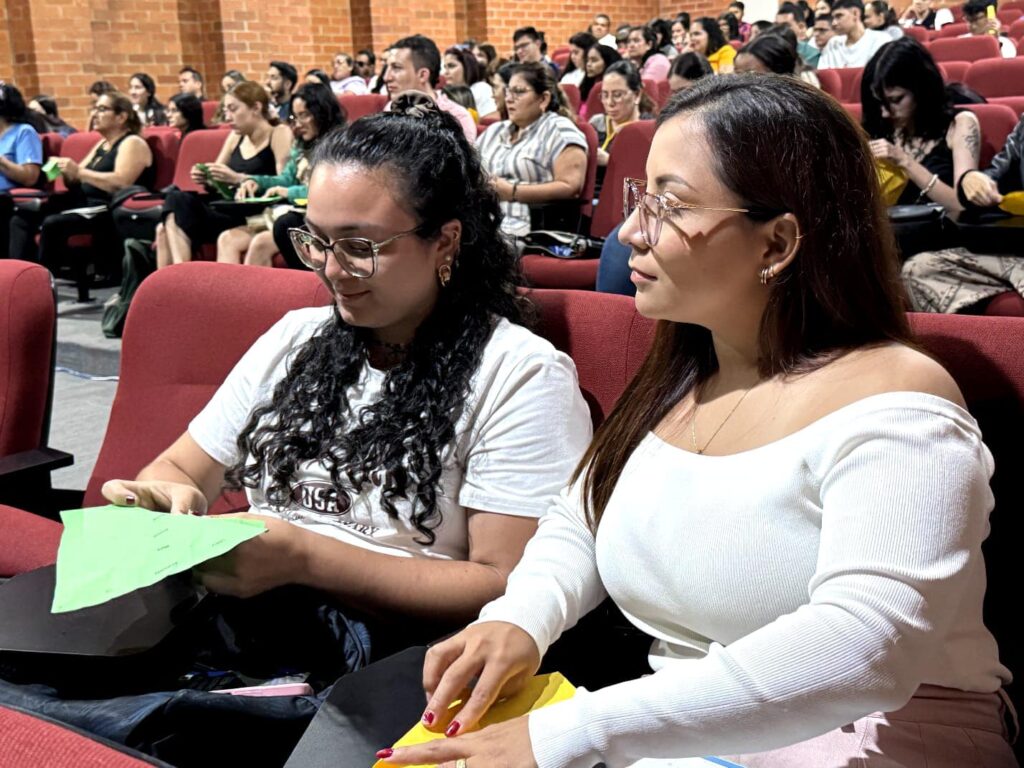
[106,552]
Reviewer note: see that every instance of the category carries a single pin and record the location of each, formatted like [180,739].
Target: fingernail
[428,717]
[384,754]
[453,728]
[129,499]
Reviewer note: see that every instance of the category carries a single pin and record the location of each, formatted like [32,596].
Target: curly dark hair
[399,441]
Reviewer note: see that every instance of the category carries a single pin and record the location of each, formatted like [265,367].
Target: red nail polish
[428,717]
[453,728]
[384,754]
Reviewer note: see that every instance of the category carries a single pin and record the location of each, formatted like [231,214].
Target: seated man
[792,15]
[922,13]
[529,46]
[822,32]
[601,27]
[978,23]
[854,44]
[281,80]
[414,64]
[191,81]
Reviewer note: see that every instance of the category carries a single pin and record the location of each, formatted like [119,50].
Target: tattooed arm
[964,139]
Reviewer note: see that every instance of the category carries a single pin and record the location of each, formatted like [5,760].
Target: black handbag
[562,245]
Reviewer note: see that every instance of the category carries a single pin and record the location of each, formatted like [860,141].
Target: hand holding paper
[106,552]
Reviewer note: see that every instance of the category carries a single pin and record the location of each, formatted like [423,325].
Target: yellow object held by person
[892,179]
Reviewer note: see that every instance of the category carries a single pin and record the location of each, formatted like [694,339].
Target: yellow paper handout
[541,691]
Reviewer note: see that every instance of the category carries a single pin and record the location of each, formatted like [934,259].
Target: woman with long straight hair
[789,498]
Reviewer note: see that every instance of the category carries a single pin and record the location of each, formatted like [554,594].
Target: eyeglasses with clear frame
[355,255]
[653,208]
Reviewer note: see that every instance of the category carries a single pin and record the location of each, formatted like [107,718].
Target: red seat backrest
[27,741]
[1016,30]
[997,77]
[590,180]
[851,77]
[572,93]
[76,146]
[210,107]
[918,33]
[653,91]
[164,146]
[358,105]
[856,112]
[997,122]
[964,48]
[627,158]
[954,71]
[27,324]
[594,104]
[197,147]
[1015,4]
[561,56]
[831,83]
[1007,16]
[52,142]
[664,93]
[1016,103]
[951,30]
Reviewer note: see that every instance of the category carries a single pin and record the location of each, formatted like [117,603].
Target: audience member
[462,68]
[853,44]
[378,85]
[663,32]
[601,29]
[185,112]
[96,90]
[622,41]
[774,52]
[681,33]
[880,17]
[624,101]
[258,144]
[687,69]
[913,125]
[142,92]
[642,51]
[191,81]
[529,46]
[822,32]
[487,57]
[21,152]
[538,155]
[961,280]
[318,76]
[738,9]
[792,15]
[922,13]
[576,69]
[414,64]
[365,66]
[978,23]
[461,95]
[344,75]
[47,107]
[730,27]
[314,114]
[822,6]
[120,159]
[599,58]
[229,80]
[831,489]
[706,38]
[281,80]
[757,27]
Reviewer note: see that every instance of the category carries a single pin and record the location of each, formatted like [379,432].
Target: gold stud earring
[444,274]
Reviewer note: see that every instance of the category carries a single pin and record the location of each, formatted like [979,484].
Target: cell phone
[990,14]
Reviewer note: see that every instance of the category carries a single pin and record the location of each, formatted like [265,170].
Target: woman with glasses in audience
[913,125]
[706,38]
[462,68]
[789,498]
[599,58]
[120,159]
[624,101]
[538,155]
[256,145]
[185,112]
[314,114]
[142,92]
[576,69]
[344,78]
[401,443]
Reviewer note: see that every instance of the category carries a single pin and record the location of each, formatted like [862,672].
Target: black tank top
[263,163]
[103,162]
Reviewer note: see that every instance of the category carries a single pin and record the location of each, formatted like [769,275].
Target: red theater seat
[997,77]
[1008,16]
[1016,103]
[594,104]
[1016,30]
[362,104]
[543,271]
[851,77]
[997,121]
[951,30]
[572,93]
[954,71]
[210,107]
[628,158]
[964,48]
[831,83]
[918,33]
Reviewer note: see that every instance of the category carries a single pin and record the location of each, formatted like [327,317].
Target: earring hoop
[767,273]
[444,275]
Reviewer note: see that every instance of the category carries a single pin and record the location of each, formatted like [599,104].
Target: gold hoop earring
[444,274]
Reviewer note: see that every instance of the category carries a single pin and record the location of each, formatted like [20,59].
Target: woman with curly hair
[401,443]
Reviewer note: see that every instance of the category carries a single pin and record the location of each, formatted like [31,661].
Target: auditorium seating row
[189,324]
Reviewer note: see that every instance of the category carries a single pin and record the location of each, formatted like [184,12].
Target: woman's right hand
[197,175]
[981,189]
[157,495]
[248,188]
[501,657]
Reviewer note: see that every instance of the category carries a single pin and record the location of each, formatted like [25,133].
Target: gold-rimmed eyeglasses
[355,255]
[653,208]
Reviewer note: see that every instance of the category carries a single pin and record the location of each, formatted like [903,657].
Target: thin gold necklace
[693,421]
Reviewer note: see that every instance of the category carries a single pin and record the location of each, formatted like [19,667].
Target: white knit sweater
[790,589]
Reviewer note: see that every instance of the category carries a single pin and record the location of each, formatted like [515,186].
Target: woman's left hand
[68,167]
[277,192]
[272,559]
[886,150]
[221,172]
[505,745]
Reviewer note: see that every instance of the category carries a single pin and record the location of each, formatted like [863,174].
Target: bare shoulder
[966,119]
[897,368]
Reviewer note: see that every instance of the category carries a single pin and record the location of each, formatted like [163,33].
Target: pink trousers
[938,728]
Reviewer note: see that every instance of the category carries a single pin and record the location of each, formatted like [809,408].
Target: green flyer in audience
[50,169]
[106,552]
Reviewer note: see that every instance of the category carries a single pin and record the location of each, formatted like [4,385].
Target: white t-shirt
[521,433]
[838,54]
[789,589]
[483,95]
[573,78]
